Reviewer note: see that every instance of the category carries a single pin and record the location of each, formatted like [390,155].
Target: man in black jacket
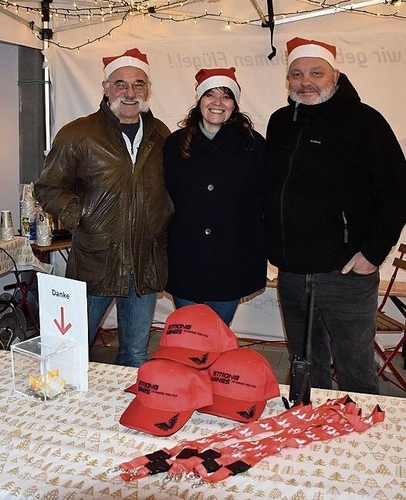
[336,204]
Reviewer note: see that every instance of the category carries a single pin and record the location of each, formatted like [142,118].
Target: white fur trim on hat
[218,81]
[122,61]
[311,50]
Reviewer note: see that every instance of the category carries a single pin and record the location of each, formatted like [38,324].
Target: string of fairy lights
[46,19]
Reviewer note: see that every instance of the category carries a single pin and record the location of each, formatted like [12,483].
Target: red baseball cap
[167,395]
[242,382]
[195,336]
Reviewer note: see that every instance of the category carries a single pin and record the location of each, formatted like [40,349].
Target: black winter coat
[336,184]
[216,236]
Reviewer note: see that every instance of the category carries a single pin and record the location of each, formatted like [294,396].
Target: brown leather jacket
[118,212]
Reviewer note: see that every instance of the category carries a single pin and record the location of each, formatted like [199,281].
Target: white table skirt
[63,450]
[21,252]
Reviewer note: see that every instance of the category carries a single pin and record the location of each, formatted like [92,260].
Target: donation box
[45,370]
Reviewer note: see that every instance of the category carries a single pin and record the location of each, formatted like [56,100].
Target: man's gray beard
[143,106]
[324,96]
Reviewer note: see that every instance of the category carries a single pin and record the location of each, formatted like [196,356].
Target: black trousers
[344,326]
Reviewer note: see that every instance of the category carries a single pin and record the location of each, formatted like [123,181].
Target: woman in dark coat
[214,173]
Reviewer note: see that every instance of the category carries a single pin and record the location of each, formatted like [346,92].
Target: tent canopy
[73,24]
[180,37]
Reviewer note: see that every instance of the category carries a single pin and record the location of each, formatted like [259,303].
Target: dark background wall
[31,113]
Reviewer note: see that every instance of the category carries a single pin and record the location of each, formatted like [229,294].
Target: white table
[16,256]
[21,252]
[63,449]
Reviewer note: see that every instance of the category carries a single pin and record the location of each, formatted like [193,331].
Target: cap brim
[132,389]
[190,357]
[152,421]
[233,409]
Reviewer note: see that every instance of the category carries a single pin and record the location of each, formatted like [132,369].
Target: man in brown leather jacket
[103,179]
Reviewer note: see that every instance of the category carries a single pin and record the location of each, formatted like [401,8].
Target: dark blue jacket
[216,236]
[336,184]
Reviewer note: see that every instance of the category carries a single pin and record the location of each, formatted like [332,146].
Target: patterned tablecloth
[63,450]
[19,249]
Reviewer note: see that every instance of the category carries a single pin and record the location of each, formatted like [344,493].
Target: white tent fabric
[77,23]
[371,51]
[373,62]
[182,36]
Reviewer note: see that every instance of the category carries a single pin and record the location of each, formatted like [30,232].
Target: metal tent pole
[46,35]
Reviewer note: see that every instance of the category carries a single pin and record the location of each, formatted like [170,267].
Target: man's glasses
[120,86]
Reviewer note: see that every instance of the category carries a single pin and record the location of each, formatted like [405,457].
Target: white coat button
[207,231]
[210,187]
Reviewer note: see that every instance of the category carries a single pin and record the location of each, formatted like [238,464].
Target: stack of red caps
[198,366]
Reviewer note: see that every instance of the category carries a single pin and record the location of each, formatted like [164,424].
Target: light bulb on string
[106,10]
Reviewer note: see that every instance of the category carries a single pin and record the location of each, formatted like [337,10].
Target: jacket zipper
[295,112]
[129,147]
[132,156]
[284,188]
[345,227]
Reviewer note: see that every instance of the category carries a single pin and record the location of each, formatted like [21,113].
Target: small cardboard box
[45,370]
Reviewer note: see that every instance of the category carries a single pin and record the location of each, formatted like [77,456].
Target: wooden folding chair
[389,325]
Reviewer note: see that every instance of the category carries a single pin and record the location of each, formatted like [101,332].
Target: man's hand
[359,264]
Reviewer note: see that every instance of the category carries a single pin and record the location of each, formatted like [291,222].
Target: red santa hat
[217,77]
[301,47]
[132,57]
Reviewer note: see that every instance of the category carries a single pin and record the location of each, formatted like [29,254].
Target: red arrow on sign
[61,327]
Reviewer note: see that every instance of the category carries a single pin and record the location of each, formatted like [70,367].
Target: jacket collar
[147,118]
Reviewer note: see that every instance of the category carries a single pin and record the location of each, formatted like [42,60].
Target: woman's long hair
[190,125]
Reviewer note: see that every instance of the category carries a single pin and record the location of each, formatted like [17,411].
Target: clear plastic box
[45,370]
